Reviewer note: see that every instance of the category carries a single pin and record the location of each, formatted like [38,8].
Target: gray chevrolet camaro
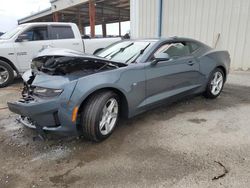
[71,92]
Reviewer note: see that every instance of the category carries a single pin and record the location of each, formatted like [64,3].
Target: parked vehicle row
[71,92]
[19,46]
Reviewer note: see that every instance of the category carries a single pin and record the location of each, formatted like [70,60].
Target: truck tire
[100,116]
[215,84]
[6,74]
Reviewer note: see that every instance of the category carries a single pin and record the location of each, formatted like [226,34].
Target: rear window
[61,32]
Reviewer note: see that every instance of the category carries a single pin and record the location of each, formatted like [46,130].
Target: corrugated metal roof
[39,14]
[107,11]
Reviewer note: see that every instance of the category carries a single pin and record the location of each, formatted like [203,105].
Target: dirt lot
[186,144]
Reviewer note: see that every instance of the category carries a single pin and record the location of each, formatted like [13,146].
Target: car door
[178,75]
[26,50]
[62,36]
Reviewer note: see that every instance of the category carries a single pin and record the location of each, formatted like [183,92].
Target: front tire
[215,84]
[6,74]
[100,116]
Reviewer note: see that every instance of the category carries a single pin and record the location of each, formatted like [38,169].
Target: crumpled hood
[48,81]
[60,52]
[54,68]
[56,61]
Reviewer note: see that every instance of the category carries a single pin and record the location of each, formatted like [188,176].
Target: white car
[19,46]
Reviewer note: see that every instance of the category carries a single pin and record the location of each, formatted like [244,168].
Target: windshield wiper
[121,50]
[140,53]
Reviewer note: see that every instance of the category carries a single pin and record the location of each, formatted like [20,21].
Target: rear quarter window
[61,32]
[175,49]
[193,46]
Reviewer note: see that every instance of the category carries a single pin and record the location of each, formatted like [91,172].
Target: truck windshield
[11,33]
[124,52]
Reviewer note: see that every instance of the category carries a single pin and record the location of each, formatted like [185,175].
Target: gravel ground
[192,143]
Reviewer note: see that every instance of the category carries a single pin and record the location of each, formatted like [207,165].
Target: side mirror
[23,37]
[160,57]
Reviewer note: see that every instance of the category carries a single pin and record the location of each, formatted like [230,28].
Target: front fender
[88,85]
[129,81]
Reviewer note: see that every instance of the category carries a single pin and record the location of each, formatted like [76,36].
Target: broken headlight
[46,92]
[35,64]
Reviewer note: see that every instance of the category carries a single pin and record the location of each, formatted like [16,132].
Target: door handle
[191,63]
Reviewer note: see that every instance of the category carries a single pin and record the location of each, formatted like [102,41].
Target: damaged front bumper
[43,114]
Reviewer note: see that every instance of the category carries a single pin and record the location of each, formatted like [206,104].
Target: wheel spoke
[111,106]
[213,83]
[113,115]
[102,123]
[214,89]
[220,85]
[219,80]
[215,76]
[4,73]
[107,127]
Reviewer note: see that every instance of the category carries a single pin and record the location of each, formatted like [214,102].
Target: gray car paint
[142,84]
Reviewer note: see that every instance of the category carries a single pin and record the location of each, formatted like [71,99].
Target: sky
[12,10]
[112,29]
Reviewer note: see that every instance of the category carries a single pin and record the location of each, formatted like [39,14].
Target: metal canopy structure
[84,13]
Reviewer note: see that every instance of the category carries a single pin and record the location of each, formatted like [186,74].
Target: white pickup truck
[19,46]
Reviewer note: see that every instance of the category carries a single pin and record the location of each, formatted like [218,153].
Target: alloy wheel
[217,83]
[109,116]
[4,74]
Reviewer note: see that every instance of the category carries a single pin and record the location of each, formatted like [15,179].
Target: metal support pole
[83,31]
[120,29]
[104,29]
[55,17]
[159,32]
[92,17]
[80,21]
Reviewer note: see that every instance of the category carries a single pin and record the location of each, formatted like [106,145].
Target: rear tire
[99,118]
[6,74]
[215,84]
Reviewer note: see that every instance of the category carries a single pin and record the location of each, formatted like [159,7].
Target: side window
[61,32]
[193,46]
[175,50]
[37,33]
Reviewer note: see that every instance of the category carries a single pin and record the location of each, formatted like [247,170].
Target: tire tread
[89,114]
[208,93]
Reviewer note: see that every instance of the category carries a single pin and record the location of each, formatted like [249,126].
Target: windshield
[124,52]
[11,33]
